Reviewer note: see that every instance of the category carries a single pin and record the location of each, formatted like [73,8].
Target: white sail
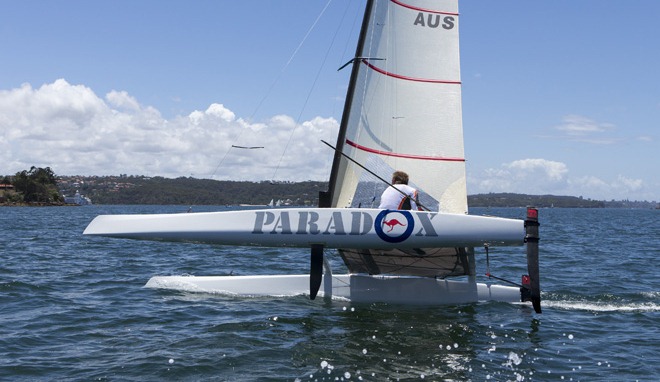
[405,110]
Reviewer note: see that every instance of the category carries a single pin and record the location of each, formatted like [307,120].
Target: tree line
[192,191]
[35,186]
[41,186]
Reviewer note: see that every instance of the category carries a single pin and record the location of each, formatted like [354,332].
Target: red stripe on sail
[407,156]
[401,77]
[397,2]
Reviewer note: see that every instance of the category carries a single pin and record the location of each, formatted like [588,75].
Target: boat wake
[602,307]
[178,284]
[640,302]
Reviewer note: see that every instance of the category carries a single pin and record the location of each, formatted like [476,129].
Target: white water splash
[513,360]
[603,307]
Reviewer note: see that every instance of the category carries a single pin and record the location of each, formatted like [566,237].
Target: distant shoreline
[38,205]
[143,190]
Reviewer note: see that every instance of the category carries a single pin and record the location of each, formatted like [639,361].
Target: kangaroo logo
[395,237]
[392,223]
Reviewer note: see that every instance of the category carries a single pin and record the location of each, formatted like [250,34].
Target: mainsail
[403,112]
[403,108]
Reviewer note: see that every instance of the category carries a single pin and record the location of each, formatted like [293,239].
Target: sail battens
[400,155]
[408,78]
[401,3]
[406,65]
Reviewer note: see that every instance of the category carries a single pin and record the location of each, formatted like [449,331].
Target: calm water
[74,308]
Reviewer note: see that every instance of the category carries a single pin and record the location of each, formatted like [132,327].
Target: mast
[326,197]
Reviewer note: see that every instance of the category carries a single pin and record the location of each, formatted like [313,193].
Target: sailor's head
[399,177]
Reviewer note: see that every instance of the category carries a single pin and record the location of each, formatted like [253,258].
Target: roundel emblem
[394,226]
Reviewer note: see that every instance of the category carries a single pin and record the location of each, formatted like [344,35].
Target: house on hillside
[5,189]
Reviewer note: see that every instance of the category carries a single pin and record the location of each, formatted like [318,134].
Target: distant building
[77,199]
[5,190]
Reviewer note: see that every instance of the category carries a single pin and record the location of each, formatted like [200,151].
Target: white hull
[330,227]
[356,288]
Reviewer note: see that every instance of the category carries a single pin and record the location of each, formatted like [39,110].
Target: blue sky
[559,97]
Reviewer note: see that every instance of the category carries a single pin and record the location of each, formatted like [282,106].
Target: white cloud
[579,126]
[73,131]
[541,176]
[219,111]
[629,184]
[582,129]
[588,182]
[56,108]
[535,168]
[530,176]
[121,100]
[597,188]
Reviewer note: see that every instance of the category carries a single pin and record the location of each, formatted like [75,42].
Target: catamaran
[402,112]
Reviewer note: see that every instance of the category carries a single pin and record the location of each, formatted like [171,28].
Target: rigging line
[504,280]
[376,175]
[490,276]
[272,85]
[293,55]
[309,94]
[221,161]
[356,19]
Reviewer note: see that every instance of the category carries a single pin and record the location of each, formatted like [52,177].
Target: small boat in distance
[78,199]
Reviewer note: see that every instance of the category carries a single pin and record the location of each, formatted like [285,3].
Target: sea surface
[74,308]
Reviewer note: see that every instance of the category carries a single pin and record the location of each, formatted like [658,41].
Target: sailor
[400,196]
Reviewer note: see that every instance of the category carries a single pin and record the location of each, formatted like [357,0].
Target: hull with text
[330,227]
